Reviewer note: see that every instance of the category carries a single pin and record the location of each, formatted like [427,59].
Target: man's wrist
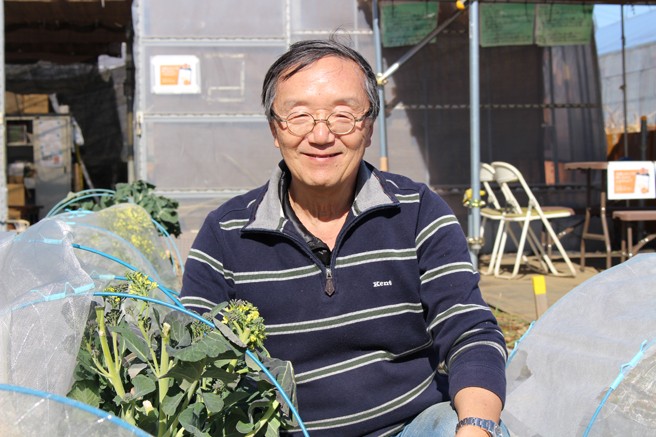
[490,426]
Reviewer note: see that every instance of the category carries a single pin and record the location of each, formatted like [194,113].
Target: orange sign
[624,181]
[175,74]
[631,180]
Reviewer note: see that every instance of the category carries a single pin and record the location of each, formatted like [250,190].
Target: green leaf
[85,369]
[245,427]
[170,403]
[229,334]
[273,428]
[85,392]
[180,334]
[211,345]
[283,371]
[142,386]
[252,364]
[216,372]
[186,370]
[135,343]
[136,369]
[192,420]
[257,408]
[213,402]
[234,398]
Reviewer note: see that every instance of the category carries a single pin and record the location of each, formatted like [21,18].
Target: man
[363,278]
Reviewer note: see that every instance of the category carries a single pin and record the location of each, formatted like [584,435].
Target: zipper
[330,284]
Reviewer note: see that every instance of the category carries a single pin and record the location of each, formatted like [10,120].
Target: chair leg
[584,232]
[537,247]
[495,249]
[559,246]
[502,244]
[604,228]
[520,248]
[544,256]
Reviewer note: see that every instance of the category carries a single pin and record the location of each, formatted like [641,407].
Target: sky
[609,14]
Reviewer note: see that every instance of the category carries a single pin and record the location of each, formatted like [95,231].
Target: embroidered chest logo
[382,284]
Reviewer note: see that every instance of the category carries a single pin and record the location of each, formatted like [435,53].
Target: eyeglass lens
[339,123]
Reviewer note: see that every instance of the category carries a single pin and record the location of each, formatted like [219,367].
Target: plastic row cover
[602,334]
[48,275]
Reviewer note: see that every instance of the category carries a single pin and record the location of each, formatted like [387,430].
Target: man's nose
[321,133]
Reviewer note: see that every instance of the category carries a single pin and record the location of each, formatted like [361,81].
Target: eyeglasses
[302,123]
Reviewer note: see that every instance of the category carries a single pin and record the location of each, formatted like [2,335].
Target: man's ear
[274,132]
[369,135]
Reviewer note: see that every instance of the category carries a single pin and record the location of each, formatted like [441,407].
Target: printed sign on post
[407,23]
[175,74]
[559,25]
[506,24]
[631,180]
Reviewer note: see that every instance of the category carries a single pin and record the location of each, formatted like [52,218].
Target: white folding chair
[19,225]
[524,215]
[492,211]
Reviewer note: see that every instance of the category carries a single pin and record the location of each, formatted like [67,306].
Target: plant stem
[265,418]
[191,391]
[163,383]
[99,367]
[154,366]
[112,367]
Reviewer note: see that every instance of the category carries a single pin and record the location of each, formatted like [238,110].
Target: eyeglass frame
[318,120]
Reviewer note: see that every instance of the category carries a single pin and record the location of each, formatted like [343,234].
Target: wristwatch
[490,426]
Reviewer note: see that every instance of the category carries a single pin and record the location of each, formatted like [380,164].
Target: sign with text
[631,180]
[506,24]
[559,24]
[407,23]
[175,74]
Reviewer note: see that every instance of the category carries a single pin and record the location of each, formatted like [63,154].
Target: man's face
[321,159]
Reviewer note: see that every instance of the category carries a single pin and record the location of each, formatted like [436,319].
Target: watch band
[490,426]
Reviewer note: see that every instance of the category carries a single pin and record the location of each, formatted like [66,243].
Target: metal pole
[4,210]
[644,131]
[382,121]
[410,53]
[475,134]
[626,135]
[383,76]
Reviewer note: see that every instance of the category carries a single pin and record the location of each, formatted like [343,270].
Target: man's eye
[299,118]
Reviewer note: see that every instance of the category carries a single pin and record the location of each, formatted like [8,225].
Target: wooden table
[588,167]
[627,218]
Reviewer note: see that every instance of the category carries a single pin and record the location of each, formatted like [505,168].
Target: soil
[513,327]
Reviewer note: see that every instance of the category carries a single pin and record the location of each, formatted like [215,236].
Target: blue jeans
[437,420]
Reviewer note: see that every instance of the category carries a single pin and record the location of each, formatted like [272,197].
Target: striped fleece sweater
[406,326]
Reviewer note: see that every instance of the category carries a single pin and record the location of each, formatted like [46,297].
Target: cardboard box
[26,103]
[15,194]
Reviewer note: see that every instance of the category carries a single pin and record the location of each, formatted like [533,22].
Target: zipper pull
[330,285]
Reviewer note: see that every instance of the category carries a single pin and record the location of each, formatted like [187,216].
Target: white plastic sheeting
[601,334]
[48,275]
[640,68]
